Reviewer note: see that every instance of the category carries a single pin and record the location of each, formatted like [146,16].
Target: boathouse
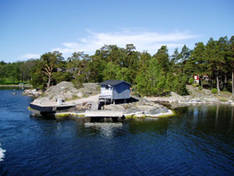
[113,90]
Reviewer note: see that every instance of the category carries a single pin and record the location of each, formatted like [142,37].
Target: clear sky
[29,28]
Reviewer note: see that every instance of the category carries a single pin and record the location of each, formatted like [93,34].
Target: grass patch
[222,99]
[167,115]
[61,116]
[130,117]
[134,117]
[81,115]
[74,97]
[214,91]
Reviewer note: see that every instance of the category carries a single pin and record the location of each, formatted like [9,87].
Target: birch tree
[50,62]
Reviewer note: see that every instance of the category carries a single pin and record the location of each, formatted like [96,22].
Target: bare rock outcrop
[66,91]
[32,92]
[142,107]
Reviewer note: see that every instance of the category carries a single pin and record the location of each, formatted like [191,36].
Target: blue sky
[29,28]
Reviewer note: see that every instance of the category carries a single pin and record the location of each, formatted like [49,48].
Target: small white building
[112,90]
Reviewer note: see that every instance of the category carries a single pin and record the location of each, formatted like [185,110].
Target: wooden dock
[66,110]
[93,116]
[51,108]
[103,113]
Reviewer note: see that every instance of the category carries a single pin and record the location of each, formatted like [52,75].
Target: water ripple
[2,151]
[195,142]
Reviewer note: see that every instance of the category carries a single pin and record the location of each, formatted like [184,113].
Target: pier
[51,108]
[103,113]
[93,116]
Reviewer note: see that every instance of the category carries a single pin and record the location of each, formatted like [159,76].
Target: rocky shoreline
[86,99]
[32,92]
[187,101]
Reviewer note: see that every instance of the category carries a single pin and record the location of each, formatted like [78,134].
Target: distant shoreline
[16,85]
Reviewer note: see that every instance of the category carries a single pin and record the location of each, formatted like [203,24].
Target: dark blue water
[198,141]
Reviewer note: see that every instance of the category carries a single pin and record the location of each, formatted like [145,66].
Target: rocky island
[77,102]
[85,99]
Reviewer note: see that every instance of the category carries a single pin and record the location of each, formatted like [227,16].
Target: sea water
[199,140]
[2,151]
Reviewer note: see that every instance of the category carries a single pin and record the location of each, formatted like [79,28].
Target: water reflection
[217,116]
[159,126]
[208,118]
[105,129]
[232,120]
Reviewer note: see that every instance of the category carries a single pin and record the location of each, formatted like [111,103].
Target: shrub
[214,91]
[195,85]
[77,83]
[200,87]
[191,81]
[61,76]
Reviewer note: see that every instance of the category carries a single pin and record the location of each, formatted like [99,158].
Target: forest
[150,75]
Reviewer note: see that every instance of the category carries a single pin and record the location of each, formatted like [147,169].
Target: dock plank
[103,113]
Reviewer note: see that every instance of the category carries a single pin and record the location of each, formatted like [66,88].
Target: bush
[61,76]
[200,87]
[78,82]
[191,81]
[214,91]
[195,85]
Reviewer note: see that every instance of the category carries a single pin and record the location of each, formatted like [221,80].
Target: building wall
[121,91]
[106,92]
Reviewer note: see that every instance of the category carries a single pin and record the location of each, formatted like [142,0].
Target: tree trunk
[49,80]
[233,84]
[217,83]
[225,82]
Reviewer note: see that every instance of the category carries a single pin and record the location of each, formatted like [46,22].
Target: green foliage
[149,75]
[195,85]
[179,84]
[14,73]
[61,76]
[78,81]
[46,70]
[191,81]
[156,79]
[110,71]
[214,91]
[163,58]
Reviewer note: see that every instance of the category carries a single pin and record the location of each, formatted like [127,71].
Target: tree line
[155,75]
[17,72]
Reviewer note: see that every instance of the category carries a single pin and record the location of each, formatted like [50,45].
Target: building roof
[113,83]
